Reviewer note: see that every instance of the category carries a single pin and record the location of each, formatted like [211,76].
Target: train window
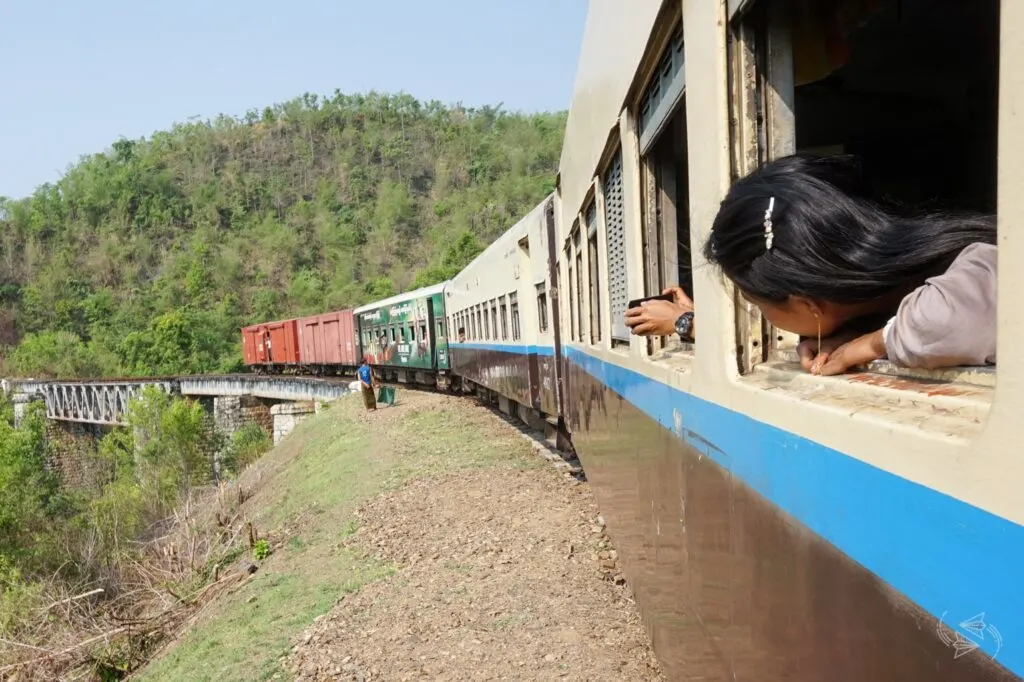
[615,245]
[494,318]
[572,285]
[909,87]
[664,176]
[594,278]
[440,331]
[480,328]
[423,330]
[393,337]
[401,335]
[503,314]
[487,321]
[513,304]
[542,307]
[579,281]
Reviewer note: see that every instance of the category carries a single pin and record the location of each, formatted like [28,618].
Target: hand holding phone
[637,302]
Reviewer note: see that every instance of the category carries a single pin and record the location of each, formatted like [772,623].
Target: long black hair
[833,239]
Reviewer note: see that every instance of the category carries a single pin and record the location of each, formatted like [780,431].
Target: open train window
[590,215]
[909,86]
[542,307]
[503,305]
[513,305]
[572,285]
[494,317]
[661,117]
[578,255]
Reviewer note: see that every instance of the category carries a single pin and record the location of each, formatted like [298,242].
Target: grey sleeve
[951,319]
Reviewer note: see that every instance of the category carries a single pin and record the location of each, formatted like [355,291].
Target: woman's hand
[658,318]
[840,352]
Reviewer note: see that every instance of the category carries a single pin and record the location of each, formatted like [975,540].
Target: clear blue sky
[76,75]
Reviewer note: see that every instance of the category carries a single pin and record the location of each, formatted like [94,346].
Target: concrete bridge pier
[289,415]
[21,402]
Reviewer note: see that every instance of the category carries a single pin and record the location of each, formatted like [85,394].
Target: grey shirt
[951,319]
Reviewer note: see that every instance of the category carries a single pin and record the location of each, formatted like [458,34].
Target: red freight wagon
[284,342]
[271,343]
[328,341]
[252,345]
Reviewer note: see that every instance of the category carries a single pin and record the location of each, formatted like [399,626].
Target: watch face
[684,324]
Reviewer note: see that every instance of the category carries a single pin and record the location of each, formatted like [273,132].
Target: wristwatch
[684,326]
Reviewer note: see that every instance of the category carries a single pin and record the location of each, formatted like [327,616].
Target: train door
[267,356]
[437,332]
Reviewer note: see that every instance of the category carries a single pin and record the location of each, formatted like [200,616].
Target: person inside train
[807,241]
[462,335]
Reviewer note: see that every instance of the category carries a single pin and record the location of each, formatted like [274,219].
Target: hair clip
[769,236]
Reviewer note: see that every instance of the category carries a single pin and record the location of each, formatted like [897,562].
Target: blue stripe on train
[504,348]
[951,558]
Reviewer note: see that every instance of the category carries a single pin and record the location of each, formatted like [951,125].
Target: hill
[146,259]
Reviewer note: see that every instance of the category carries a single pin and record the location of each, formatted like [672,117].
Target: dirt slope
[425,541]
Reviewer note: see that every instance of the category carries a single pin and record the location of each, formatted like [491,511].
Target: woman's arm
[951,320]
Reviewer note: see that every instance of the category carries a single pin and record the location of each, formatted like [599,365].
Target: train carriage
[776,525]
[272,347]
[405,336]
[328,344]
[502,308]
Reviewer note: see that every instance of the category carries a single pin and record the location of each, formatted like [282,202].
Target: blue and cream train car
[505,332]
[776,525]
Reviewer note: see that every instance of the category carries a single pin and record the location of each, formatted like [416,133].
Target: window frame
[541,289]
[615,223]
[503,313]
[663,96]
[513,305]
[593,270]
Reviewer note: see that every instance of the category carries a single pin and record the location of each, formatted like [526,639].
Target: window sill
[941,407]
[973,376]
[676,355]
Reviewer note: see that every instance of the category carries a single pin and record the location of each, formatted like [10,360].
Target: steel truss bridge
[106,401]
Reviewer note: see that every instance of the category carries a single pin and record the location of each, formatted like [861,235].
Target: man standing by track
[366,383]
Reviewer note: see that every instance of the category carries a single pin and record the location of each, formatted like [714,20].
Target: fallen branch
[26,646]
[98,590]
[57,654]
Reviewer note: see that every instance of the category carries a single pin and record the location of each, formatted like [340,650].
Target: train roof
[401,298]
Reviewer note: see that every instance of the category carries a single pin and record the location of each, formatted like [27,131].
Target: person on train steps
[803,239]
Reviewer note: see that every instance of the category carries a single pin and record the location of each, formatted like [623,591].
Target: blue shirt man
[365,375]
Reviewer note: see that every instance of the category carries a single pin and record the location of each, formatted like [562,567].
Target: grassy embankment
[305,495]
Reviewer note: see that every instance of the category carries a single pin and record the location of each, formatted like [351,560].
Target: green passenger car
[407,331]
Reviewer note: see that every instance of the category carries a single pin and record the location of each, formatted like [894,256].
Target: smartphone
[635,303]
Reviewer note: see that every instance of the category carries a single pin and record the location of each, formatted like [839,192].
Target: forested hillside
[148,258]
